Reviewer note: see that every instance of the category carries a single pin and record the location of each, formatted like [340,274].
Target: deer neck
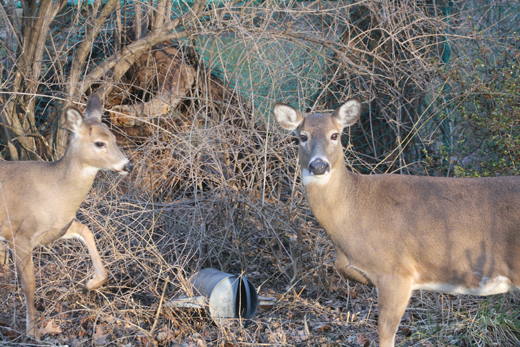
[74,177]
[332,195]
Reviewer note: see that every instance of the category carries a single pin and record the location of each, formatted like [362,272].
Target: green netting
[307,68]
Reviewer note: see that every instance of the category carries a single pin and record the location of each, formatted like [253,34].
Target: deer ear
[286,116]
[74,119]
[348,113]
[94,108]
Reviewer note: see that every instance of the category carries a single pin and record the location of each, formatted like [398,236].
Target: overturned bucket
[225,296]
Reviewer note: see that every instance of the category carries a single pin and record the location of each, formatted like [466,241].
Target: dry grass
[150,257]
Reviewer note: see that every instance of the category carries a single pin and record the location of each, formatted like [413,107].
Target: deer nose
[319,167]
[128,167]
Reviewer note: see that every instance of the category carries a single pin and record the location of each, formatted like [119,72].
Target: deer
[401,233]
[39,200]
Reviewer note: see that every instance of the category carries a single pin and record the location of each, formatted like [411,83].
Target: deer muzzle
[319,167]
[128,167]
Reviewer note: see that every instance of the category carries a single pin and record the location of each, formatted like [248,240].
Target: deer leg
[25,266]
[394,293]
[349,272]
[80,231]
[4,253]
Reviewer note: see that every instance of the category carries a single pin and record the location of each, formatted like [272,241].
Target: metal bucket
[229,296]
[225,296]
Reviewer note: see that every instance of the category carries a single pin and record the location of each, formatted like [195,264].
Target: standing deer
[39,200]
[402,233]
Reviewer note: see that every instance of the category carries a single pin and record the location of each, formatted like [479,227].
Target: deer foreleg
[394,293]
[4,253]
[348,271]
[25,267]
[80,231]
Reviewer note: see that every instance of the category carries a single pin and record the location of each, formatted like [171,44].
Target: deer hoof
[34,333]
[95,282]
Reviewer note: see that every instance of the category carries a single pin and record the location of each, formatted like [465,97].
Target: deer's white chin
[309,178]
[90,171]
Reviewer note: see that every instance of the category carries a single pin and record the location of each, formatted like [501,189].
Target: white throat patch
[309,178]
[90,171]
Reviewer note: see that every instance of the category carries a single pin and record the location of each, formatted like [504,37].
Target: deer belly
[55,234]
[487,286]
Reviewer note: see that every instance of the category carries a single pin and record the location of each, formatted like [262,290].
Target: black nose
[319,167]
[128,167]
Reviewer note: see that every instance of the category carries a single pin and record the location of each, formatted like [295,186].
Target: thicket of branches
[189,88]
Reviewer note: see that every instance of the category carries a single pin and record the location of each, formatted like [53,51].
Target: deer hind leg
[394,293]
[80,231]
[25,267]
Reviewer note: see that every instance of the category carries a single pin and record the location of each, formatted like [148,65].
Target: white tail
[39,200]
[401,233]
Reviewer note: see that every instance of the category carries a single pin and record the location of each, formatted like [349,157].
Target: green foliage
[488,110]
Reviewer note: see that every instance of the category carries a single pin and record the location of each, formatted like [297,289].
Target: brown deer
[39,200]
[402,233]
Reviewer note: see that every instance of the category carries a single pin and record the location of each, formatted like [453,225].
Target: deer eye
[303,137]
[334,136]
[99,144]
